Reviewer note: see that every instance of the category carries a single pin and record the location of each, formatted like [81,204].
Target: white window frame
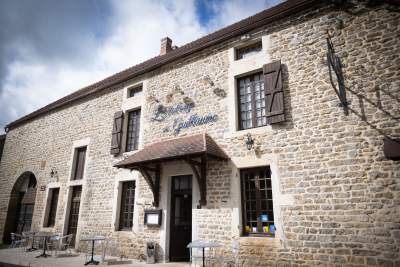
[240,68]
[72,165]
[125,175]
[47,203]
[130,104]
[279,199]
[76,144]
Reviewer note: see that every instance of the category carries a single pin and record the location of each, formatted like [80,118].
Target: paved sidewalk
[18,257]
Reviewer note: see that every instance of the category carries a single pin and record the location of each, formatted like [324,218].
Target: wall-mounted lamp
[53,172]
[249,142]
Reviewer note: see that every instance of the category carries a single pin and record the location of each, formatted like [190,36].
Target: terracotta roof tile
[177,148]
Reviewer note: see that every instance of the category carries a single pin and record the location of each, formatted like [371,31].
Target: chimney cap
[166,45]
[166,39]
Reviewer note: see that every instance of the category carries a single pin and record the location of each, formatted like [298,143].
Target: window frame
[241,51]
[121,221]
[52,206]
[128,145]
[259,209]
[135,90]
[76,163]
[253,100]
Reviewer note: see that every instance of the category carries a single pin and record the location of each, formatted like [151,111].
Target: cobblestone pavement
[18,257]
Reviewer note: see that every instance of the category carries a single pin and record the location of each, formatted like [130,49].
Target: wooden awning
[194,150]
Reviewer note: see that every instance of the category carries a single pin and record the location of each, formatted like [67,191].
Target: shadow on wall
[288,124]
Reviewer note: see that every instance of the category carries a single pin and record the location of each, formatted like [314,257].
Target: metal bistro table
[93,239]
[45,236]
[203,244]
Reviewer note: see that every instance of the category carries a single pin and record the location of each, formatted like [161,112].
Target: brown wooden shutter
[275,108]
[116,139]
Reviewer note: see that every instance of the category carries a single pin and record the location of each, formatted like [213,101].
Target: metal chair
[196,257]
[104,246]
[52,244]
[61,243]
[18,240]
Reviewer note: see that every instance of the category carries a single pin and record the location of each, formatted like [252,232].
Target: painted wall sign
[162,112]
[192,121]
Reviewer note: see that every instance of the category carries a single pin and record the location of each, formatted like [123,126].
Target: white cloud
[134,33]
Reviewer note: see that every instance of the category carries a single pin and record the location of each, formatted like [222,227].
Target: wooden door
[74,211]
[24,220]
[181,218]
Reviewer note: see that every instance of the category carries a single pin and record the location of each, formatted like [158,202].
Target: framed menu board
[152,217]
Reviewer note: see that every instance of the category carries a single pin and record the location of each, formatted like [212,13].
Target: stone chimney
[166,45]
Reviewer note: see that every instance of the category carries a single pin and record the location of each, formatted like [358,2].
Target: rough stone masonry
[344,195]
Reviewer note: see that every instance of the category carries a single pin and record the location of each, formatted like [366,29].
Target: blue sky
[49,48]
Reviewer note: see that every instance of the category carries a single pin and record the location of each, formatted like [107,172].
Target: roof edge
[264,17]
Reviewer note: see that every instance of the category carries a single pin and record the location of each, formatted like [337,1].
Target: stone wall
[346,208]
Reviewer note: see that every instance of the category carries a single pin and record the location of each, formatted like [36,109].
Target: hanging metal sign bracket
[335,71]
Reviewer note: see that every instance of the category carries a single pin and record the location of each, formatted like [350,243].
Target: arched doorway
[21,205]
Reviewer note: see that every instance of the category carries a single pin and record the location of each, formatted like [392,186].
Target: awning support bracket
[152,177]
[200,172]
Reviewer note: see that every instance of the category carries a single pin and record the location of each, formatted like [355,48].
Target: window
[257,203]
[75,203]
[248,50]
[135,91]
[127,205]
[132,141]
[80,156]
[251,98]
[52,207]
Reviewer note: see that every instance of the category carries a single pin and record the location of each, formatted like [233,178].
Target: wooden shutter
[275,108]
[117,133]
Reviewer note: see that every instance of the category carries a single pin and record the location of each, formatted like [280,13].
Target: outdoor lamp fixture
[53,172]
[249,142]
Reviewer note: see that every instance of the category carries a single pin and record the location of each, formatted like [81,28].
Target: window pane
[127,205]
[54,192]
[251,99]
[248,50]
[135,91]
[257,201]
[79,163]
[132,141]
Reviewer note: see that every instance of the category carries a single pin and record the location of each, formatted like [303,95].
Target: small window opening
[249,50]
[135,91]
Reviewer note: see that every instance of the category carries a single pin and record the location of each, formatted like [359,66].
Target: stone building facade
[336,197]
